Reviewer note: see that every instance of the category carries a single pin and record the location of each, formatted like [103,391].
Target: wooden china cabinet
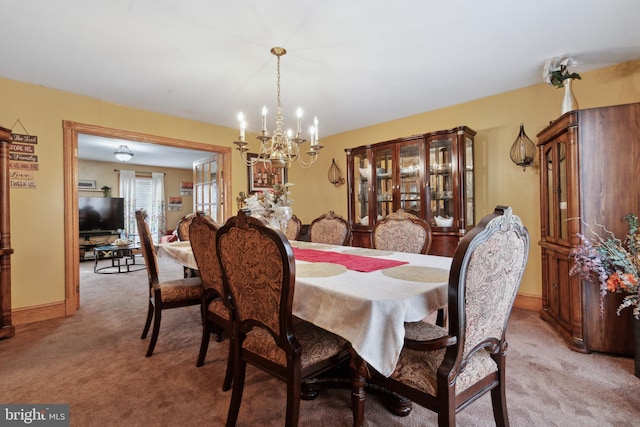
[429,175]
[589,175]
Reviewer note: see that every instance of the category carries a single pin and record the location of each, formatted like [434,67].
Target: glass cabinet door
[362,173]
[409,179]
[470,218]
[383,159]
[441,180]
[555,182]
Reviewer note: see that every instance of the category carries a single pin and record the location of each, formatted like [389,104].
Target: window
[144,194]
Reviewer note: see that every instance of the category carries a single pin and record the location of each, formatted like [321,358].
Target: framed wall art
[262,177]
[87,184]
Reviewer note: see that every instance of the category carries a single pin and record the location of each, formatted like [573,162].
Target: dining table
[363,295]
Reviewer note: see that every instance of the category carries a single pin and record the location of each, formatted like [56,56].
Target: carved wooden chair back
[402,232]
[293,228]
[162,295]
[259,275]
[444,370]
[331,229]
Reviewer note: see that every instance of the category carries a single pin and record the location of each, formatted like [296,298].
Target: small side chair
[162,295]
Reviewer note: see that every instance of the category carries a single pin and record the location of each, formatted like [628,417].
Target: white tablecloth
[367,309]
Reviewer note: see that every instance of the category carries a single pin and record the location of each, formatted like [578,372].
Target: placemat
[414,273]
[319,269]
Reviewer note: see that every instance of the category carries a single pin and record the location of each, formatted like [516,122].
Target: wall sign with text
[23,161]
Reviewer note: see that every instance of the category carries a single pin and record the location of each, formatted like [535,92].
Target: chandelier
[281,149]
[123,153]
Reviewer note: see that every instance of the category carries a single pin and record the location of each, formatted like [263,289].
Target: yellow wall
[37,214]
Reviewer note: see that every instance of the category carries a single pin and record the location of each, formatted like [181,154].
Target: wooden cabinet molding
[6,328]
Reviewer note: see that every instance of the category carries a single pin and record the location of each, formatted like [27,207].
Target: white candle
[264,119]
[312,132]
[299,114]
[243,125]
[315,125]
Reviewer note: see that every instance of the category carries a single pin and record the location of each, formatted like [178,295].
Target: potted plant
[106,191]
[615,264]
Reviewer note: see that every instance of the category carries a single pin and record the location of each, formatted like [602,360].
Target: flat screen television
[101,214]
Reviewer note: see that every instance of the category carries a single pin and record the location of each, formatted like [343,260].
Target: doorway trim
[70,131]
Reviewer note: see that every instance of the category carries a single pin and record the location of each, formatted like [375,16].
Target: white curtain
[128,191]
[157,217]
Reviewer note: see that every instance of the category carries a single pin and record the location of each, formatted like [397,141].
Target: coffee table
[123,259]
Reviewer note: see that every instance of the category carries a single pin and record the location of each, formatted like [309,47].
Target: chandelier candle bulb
[264,119]
[243,125]
[299,115]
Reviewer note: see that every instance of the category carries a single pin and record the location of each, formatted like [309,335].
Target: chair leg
[147,324]
[499,403]
[228,375]
[156,328]
[441,317]
[204,343]
[293,402]
[236,396]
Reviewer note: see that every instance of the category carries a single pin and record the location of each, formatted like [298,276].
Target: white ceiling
[98,148]
[351,63]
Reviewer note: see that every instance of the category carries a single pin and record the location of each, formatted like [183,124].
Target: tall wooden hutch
[429,175]
[589,175]
[6,327]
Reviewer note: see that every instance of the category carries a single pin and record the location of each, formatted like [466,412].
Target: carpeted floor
[95,362]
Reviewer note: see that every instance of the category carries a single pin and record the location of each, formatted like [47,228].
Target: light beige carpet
[95,361]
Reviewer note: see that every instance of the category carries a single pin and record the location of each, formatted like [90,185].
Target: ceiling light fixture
[281,149]
[123,153]
[523,151]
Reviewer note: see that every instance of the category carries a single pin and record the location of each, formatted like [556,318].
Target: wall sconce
[123,153]
[523,150]
[335,174]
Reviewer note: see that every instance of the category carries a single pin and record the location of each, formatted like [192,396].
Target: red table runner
[352,262]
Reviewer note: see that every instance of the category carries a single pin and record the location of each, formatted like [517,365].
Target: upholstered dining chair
[445,370]
[216,310]
[259,275]
[401,231]
[331,229]
[162,295]
[182,229]
[293,228]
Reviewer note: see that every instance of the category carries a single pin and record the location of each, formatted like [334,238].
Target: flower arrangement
[613,263]
[265,203]
[556,70]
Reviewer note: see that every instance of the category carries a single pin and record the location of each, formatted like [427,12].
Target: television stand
[90,239]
